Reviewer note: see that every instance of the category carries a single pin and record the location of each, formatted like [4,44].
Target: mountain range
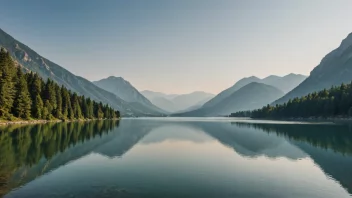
[176,103]
[285,84]
[125,90]
[32,61]
[251,96]
[115,91]
[335,68]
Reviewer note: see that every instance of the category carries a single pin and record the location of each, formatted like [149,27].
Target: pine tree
[98,112]
[35,87]
[58,110]
[84,108]
[75,106]
[37,108]
[50,96]
[106,111]
[22,103]
[90,108]
[7,81]
[46,110]
[66,103]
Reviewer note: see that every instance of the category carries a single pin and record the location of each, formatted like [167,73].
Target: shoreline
[24,122]
[312,119]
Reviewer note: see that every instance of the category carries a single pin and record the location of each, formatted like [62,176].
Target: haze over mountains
[252,96]
[154,94]
[246,94]
[175,103]
[120,94]
[285,84]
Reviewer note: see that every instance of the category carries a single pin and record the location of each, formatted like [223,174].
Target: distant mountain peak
[125,90]
[250,77]
[346,42]
[295,75]
[32,61]
[251,96]
[273,76]
[114,78]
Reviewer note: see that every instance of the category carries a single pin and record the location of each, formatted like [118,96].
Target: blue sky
[180,46]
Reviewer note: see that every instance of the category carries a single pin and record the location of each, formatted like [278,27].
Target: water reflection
[158,158]
[27,152]
[330,146]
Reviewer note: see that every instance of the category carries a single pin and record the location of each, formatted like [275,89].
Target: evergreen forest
[25,95]
[333,102]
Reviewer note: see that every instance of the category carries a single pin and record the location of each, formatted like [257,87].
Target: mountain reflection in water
[31,153]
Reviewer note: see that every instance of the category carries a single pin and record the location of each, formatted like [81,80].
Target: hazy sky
[179,46]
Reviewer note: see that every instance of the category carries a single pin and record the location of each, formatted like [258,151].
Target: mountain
[252,96]
[164,103]
[123,89]
[152,94]
[30,60]
[335,68]
[285,83]
[177,103]
[195,106]
[185,101]
[227,92]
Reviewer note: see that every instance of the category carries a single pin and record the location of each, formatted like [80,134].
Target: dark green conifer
[37,108]
[75,106]
[22,103]
[58,110]
[7,82]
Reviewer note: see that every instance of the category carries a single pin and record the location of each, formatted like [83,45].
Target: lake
[174,157]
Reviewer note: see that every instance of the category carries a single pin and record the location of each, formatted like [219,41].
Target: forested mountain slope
[335,68]
[32,61]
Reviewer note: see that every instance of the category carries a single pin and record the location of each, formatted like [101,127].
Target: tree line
[25,95]
[333,102]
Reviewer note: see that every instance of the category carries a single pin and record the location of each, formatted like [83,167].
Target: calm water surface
[176,158]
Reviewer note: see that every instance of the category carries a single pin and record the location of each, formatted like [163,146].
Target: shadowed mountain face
[34,153]
[31,61]
[249,97]
[123,89]
[178,103]
[335,68]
